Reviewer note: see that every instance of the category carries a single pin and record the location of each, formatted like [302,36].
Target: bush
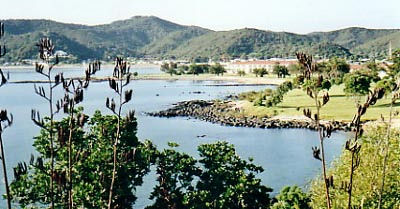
[292,198]
[241,73]
[277,95]
[223,180]
[357,84]
[217,69]
[367,178]
[281,71]
[260,72]
[92,171]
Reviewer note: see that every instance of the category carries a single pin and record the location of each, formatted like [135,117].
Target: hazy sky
[278,15]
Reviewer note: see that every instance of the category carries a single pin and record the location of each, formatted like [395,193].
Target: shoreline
[225,113]
[240,81]
[107,65]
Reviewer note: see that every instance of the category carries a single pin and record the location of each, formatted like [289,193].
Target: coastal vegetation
[6,121]
[97,161]
[369,174]
[192,69]
[360,177]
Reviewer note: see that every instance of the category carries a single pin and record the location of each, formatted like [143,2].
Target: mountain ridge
[151,36]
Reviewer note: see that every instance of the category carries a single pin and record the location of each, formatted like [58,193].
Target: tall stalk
[314,85]
[46,49]
[321,145]
[74,88]
[116,83]
[353,145]
[395,96]
[4,117]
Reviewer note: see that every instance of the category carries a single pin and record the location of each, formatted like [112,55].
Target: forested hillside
[149,36]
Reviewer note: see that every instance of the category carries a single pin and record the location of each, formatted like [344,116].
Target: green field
[340,107]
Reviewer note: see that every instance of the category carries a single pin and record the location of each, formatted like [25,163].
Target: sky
[277,15]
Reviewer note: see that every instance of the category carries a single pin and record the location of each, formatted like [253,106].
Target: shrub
[368,176]
[292,198]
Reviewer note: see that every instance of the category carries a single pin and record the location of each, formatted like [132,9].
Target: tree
[224,180]
[394,69]
[93,141]
[217,69]
[357,85]
[281,71]
[241,73]
[169,68]
[197,69]
[176,172]
[292,198]
[260,72]
[295,69]
[338,67]
[277,95]
[388,84]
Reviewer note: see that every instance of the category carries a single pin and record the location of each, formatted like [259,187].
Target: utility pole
[390,50]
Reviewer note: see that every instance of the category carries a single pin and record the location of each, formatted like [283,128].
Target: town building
[249,66]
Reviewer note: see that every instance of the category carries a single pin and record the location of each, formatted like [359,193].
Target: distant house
[61,53]
[249,66]
[355,67]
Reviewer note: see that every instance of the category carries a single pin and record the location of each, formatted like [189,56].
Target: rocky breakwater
[225,113]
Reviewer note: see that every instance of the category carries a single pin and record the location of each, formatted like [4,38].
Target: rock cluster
[222,113]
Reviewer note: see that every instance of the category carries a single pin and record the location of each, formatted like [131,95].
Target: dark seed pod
[325,99]
[307,113]
[113,84]
[128,95]
[316,153]
[130,117]
[329,182]
[3,78]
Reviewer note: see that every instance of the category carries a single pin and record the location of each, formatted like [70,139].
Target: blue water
[285,154]
[29,74]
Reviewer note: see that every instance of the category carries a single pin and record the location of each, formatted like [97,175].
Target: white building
[249,66]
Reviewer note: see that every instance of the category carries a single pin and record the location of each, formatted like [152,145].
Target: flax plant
[120,79]
[395,97]
[5,119]
[314,86]
[46,54]
[353,145]
[74,95]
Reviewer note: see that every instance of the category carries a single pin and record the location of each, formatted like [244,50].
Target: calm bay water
[285,154]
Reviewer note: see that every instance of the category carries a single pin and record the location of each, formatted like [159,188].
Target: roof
[266,62]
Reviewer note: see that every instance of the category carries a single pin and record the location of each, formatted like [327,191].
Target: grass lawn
[340,107]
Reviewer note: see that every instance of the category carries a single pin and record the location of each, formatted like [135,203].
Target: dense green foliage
[357,84]
[217,69]
[153,37]
[368,177]
[275,97]
[260,72]
[334,68]
[220,177]
[193,69]
[92,142]
[292,198]
[281,71]
[224,180]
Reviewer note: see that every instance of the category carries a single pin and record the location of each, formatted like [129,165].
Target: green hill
[149,36]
